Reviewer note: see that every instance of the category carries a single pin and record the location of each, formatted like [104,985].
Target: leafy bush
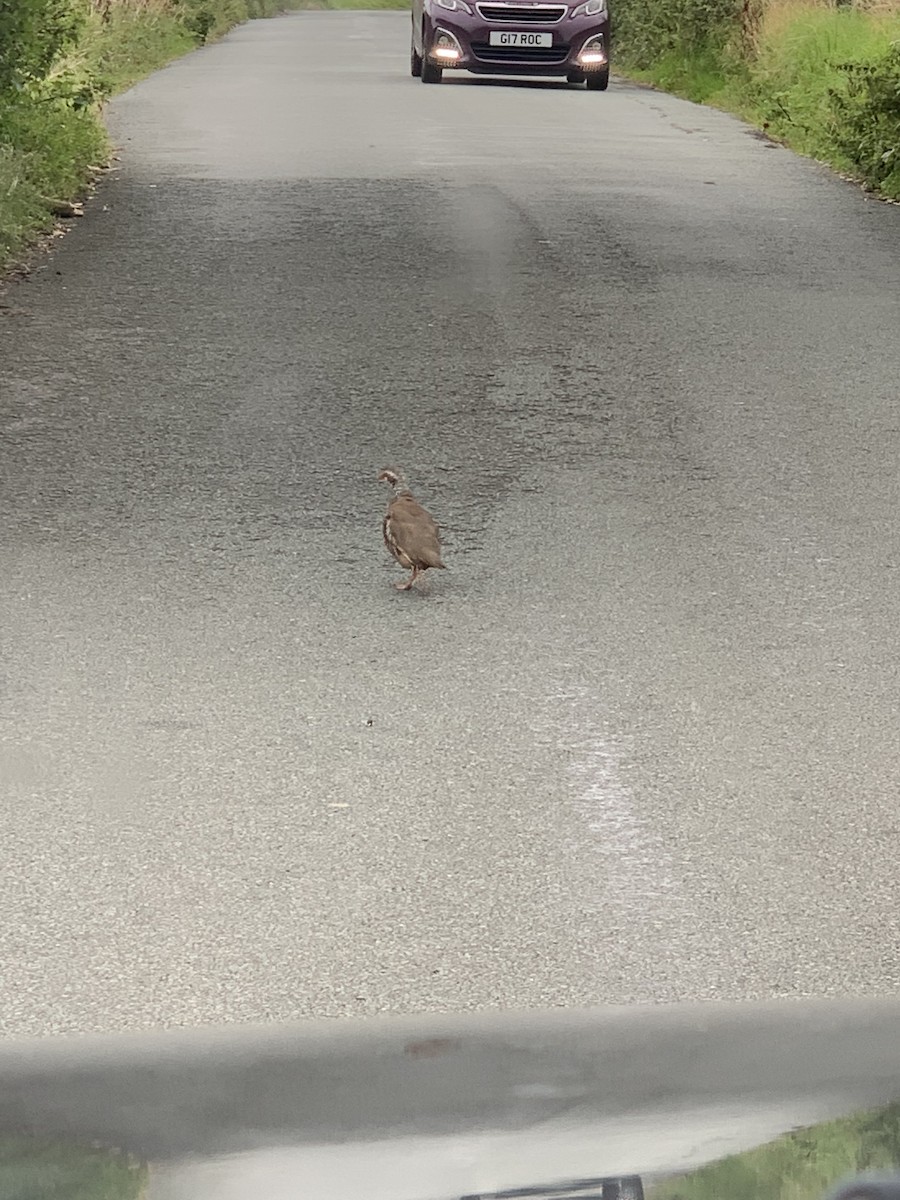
[866,119]
[58,60]
[647,32]
[54,142]
[824,78]
[128,44]
[795,66]
[210,18]
[20,203]
[32,34]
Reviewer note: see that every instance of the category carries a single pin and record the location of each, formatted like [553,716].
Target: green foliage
[32,34]
[824,80]
[38,1170]
[20,203]
[207,19]
[59,59]
[46,148]
[828,83]
[697,76]
[798,67]
[800,1166]
[129,44]
[54,142]
[866,119]
[648,31]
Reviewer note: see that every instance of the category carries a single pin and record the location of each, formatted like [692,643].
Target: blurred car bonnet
[685,1102]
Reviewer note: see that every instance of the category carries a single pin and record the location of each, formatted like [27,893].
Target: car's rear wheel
[575,77]
[415,59]
[597,81]
[431,72]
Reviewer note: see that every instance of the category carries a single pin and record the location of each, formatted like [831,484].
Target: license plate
[507,37]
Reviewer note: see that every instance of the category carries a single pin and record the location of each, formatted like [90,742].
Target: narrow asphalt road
[640,742]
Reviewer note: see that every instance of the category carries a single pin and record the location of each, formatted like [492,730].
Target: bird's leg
[404,587]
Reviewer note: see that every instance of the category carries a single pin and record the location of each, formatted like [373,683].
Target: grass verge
[827,82]
[51,135]
[824,80]
[803,1165]
[31,1169]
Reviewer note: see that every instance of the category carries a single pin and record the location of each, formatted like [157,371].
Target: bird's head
[394,478]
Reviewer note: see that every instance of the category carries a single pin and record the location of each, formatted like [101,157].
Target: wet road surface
[639,742]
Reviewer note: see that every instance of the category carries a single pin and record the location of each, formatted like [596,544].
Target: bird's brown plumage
[410,532]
